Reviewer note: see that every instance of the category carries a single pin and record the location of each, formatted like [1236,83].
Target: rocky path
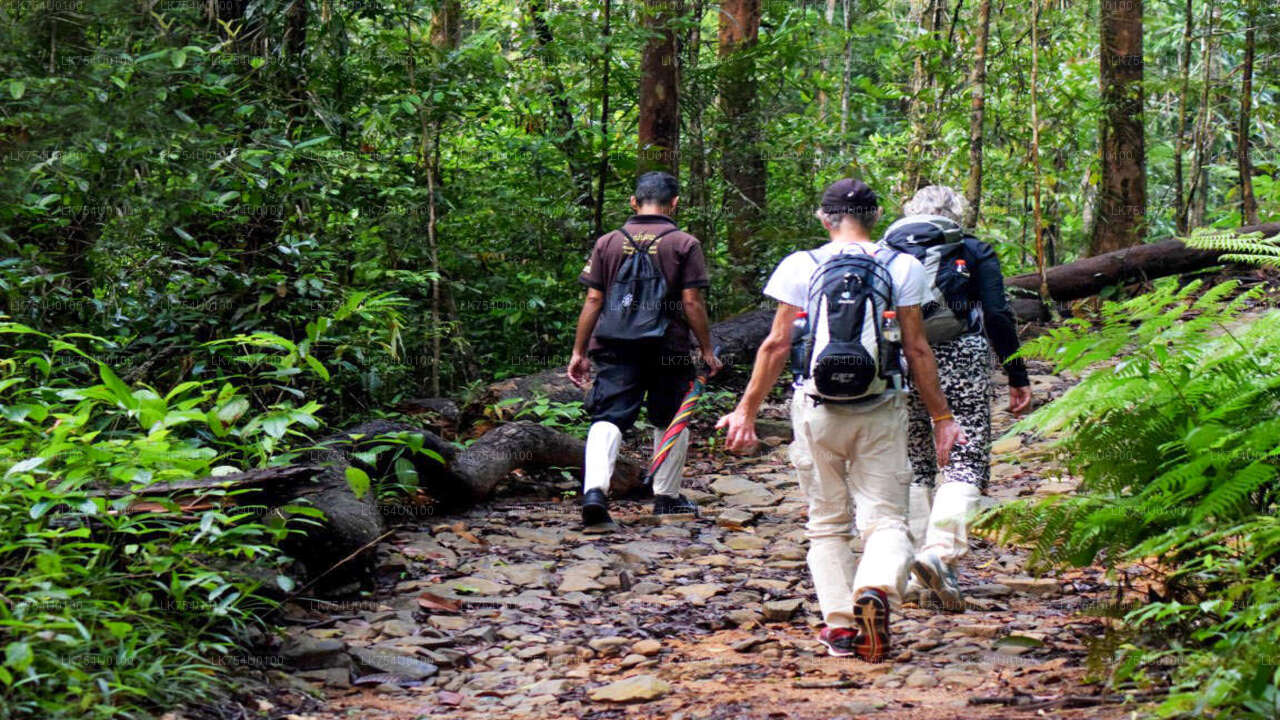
[510,611]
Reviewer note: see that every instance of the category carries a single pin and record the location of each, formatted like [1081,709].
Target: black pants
[628,378]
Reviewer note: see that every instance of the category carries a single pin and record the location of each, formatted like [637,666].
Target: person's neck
[850,235]
[653,210]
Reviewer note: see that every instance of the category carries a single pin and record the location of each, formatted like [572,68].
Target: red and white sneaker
[839,641]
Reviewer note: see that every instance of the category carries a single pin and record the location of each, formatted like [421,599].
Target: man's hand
[579,370]
[1019,399]
[946,435]
[741,435]
[712,362]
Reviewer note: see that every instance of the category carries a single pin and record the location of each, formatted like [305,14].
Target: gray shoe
[940,578]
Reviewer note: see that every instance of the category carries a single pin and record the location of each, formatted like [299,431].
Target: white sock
[603,441]
[667,480]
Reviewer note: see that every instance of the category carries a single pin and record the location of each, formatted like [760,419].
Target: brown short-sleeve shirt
[679,258]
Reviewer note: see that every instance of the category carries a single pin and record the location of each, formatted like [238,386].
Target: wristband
[940,418]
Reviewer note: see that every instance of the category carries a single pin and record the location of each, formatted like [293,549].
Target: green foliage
[113,604]
[1175,432]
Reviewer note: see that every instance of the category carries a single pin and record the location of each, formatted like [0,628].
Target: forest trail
[715,618]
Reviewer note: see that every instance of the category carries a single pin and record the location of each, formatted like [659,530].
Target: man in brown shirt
[653,372]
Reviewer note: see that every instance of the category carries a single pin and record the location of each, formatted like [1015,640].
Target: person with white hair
[968,309]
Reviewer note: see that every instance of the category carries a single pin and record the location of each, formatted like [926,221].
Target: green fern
[1175,433]
[1251,248]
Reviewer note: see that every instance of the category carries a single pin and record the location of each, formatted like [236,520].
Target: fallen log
[1089,276]
[737,339]
[352,525]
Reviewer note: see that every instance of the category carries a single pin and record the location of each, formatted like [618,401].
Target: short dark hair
[656,187]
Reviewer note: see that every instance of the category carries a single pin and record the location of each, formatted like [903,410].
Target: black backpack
[634,304]
[849,358]
[939,244]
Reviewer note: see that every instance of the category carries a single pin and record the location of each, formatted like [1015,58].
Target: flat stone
[752,498]
[768,585]
[698,594]
[525,574]
[581,578]
[643,552]
[401,666]
[398,628]
[476,585]
[604,645]
[741,541]
[335,677]
[734,518]
[449,623]
[554,686]
[744,618]
[734,484]
[989,590]
[309,653]
[1039,587]
[921,679]
[959,678]
[631,661]
[781,610]
[641,688]
[1006,445]
[985,631]
[859,707]
[647,648]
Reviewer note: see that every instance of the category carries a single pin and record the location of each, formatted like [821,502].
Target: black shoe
[595,508]
[677,505]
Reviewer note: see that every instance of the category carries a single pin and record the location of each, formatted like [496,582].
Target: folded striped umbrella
[678,423]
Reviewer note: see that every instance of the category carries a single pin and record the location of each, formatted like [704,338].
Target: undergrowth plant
[1174,432]
[111,604]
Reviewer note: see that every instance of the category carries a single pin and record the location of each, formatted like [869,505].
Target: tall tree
[1123,188]
[700,224]
[978,85]
[744,166]
[1248,203]
[1195,202]
[1184,59]
[602,173]
[929,19]
[1038,215]
[659,92]
[567,136]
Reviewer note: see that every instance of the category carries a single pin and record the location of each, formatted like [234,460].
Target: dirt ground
[511,611]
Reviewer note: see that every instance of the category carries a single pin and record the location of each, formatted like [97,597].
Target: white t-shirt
[790,280]
[789,283]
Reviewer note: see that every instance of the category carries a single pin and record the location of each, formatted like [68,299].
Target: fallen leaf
[438,603]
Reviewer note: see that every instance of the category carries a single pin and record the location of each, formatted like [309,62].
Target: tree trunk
[1199,191]
[1089,276]
[1037,216]
[566,134]
[1179,183]
[744,166]
[978,83]
[1123,187]
[603,172]
[659,124]
[921,78]
[700,226]
[446,24]
[1248,203]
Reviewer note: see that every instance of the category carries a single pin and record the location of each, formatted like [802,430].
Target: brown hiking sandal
[871,612]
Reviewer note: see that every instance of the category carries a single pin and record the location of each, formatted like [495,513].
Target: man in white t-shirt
[859,450]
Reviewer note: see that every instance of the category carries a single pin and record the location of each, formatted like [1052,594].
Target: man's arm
[579,365]
[695,311]
[770,359]
[924,375]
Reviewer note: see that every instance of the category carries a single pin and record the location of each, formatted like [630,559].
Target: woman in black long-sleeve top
[939,523]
